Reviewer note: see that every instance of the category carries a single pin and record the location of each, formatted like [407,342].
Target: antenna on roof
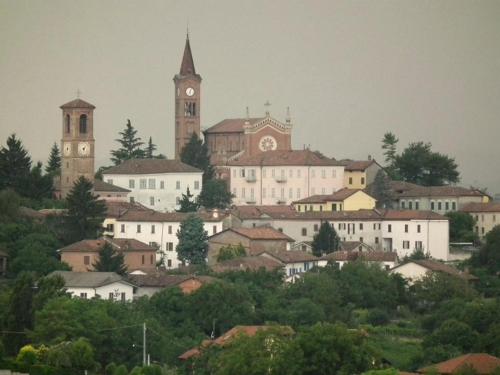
[267,104]
[288,119]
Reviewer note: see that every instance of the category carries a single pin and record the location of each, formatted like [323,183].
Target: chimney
[215,213]
[369,157]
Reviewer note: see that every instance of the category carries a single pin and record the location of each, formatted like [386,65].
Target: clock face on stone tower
[83,148]
[189,91]
[67,149]
[267,143]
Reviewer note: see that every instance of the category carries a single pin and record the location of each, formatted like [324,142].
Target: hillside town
[242,254]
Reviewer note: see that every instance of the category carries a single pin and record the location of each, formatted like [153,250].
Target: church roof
[286,157]
[231,125]
[150,166]
[77,103]
[187,65]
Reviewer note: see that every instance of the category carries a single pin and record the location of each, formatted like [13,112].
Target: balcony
[280,179]
[251,201]
[251,179]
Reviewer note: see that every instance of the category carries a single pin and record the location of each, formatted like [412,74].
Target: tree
[39,186]
[326,240]
[9,206]
[461,227]
[381,190]
[130,145]
[53,167]
[231,252]
[186,204]
[85,211]
[150,149]
[110,261]
[192,246]
[195,153]
[15,165]
[389,143]
[419,165]
[489,254]
[215,194]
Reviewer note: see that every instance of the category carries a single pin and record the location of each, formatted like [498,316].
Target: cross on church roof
[78,93]
[267,105]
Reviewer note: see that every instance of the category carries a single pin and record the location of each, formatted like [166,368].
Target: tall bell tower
[77,143]
[187,101]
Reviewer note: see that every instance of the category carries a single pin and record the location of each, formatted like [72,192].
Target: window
[418,245]
[142,183]
[131,184]
[494,218]
[417,205]
[447,205]
[290,193]
[298,207]
[406,244]
[243,192]
[169,229]
[360,240]
[178,185]
[214,229]
[251,193]
[376,240]
[403,205]
[111,296]
[153,229]
[83,295]
[432,205]
[282,195]
[162,184]
[304,231]
[197,185]
[374,226]
[482,230]
[68,124]
[439,206]
[362,180]
[242,172]
[298,193]
[389,228]
[298,173]
[350,180]
[152,183]
[290,173]
[170,246]
[151,259]
[360,226]
[143,259]
[323,173]
[138,228]
[110,228]
[418,228]
[316,227]
[264,173]
[131,199]
[454,206]
[123,296]
[169,263]
[334,206]
[122,228]
[410,205]
[177,200]
[406,228]
[83,124]
[152,201]
[153,244]
[280,230]
[86,260]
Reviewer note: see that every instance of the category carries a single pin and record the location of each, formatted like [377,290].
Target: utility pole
[144,344]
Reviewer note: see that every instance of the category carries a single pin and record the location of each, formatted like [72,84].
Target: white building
[414,270]
[155,183]
[281,177]
[105,285]
[159,229]
[383,230]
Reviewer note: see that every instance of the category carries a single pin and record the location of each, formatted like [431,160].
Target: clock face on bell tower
[187,101]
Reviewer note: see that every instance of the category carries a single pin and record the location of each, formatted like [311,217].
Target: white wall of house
[411,271]
[116,288]
[440,205]
[161,191]
[161,234]
[485,221]
[269,185]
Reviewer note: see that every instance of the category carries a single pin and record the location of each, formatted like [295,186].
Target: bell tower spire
[187,100]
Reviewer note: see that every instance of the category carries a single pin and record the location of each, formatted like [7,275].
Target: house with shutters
[486,215]
[358,174]
[342,200]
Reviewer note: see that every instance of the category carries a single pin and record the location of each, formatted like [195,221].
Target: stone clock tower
[187,101]
[77,143]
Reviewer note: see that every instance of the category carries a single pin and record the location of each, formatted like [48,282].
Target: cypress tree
[130,145]
[110,261]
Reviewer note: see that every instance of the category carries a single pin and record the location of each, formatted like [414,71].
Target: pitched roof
[482,207]
[440,191]
[412,215]
[351,245]
[369,256]
[187,65]
[162,280]
[253,263]
[339,195]
[115,209]
[120,244]
[285,157]
[436,266]
[260,233]
[232,125]
[77,103]
[291,256]
[151,166]
[88,279]
[100,185]
[482,363]
[357,165]
[168,217]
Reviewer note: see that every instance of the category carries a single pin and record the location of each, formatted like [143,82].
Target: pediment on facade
[268,122]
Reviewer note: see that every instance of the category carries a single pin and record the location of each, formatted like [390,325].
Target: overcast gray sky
[349,70]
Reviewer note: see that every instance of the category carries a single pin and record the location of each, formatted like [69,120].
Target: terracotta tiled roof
[351,245]
[440,191]
[151,166]
[100,185]
[247,263]
[291,256]
[256,212]
[482,207]
[339,195]
[285,157]
[401,186]
[482,363]
[120,244]
[412,215]
[77,103]
[88,279]
[163,280]
[436,266]
[168,217]
[358,165]
[115,209]
[231,125]
[261,233]
[369,256]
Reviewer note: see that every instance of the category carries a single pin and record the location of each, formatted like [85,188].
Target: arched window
[83,124]
[68,124]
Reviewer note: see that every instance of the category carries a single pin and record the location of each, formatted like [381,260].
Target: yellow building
[342,200]
[359,174]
